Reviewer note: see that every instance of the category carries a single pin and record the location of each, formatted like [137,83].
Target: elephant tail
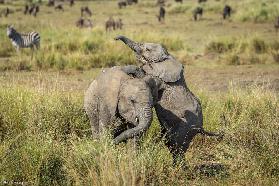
[207,133]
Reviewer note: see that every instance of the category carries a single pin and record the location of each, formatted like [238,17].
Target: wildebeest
[276,25]
[179,1]
[84,23]
[202,1]
[51,3]
[32,9]
[37,9]
[110,24]
[197,13]
[72,2]
[227,11]
[130,2]
[59,7]
[7,11]
[26,9]
[122,4]
[86,10]
[118,24]
[161,2]
[161,16]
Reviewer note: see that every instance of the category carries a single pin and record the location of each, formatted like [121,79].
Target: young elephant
[116,101]
[178,109]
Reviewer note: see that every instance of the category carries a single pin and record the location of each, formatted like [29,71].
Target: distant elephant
[179,111]
[119,102]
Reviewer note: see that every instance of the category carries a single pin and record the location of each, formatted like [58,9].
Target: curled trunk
[145,119]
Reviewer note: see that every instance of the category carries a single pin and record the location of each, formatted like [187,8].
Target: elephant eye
[148,49]
[132,100]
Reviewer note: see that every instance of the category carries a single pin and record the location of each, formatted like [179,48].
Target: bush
[259,45]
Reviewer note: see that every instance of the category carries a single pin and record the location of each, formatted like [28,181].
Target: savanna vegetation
[231,65]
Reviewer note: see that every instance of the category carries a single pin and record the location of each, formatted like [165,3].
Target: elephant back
[109,83]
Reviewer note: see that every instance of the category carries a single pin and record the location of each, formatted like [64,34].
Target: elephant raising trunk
[146,52]
[132,44]
[179,111]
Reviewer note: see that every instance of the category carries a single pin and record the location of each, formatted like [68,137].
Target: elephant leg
[91,106]
[178,140]
[93,114]
[95,129]
[104,119]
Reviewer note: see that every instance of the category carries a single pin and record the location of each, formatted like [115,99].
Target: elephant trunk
[145,119]
[132,44]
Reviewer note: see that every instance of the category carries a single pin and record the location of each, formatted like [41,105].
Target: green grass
[46,140]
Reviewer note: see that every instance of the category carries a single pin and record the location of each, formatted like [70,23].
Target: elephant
[179,111]
[119,102]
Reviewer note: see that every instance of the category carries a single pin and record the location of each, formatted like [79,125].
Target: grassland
[232,66]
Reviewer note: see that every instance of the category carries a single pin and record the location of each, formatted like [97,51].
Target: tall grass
[46,140]
[248,50]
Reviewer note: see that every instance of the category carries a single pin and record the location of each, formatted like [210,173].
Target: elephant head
[114,94]
[135,105]
[146,52]
[156,60]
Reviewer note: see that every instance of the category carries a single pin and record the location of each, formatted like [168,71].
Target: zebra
[28,40]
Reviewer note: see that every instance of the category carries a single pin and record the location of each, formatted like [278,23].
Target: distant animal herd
[111,24]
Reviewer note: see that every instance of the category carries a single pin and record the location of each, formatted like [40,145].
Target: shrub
[220,46]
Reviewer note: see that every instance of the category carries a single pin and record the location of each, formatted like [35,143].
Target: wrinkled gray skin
[118,102]
[178,109]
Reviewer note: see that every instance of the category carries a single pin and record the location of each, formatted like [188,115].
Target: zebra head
[146,52]
[10,31]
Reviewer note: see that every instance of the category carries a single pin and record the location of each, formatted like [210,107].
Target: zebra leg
[32,51]
[17,49]
[37,45]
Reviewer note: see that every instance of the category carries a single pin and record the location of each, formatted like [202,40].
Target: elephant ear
[169,70]
[109,83]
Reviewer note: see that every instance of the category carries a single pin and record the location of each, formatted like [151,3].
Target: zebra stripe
[28,40]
